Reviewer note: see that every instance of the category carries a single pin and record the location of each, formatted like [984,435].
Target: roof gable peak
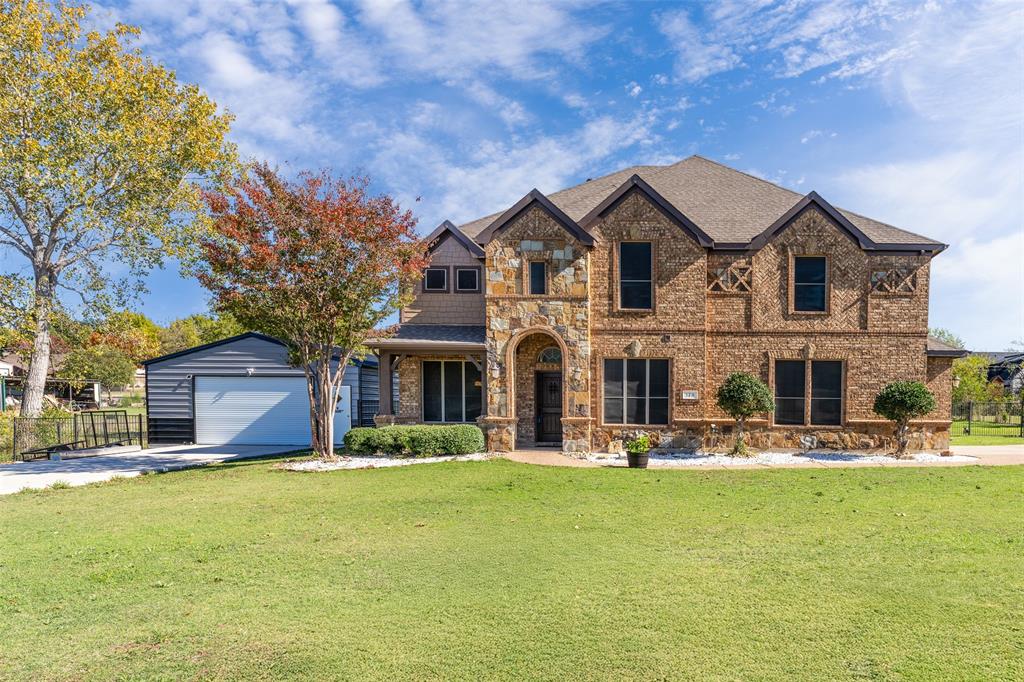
[637,183]
[448,228]
[535,196]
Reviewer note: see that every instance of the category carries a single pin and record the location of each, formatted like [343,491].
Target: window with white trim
[435,279]
[452,391]
[467,279]
[636,391]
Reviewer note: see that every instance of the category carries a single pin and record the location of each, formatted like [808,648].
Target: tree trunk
[39,363]
[740,448]
[323,401]
[902,438]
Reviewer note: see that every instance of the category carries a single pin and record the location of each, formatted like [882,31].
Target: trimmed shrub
[418,441]
[743,395]
[900,402]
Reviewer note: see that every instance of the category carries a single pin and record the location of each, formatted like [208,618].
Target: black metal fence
[37,437]
[988,419]
[367,411]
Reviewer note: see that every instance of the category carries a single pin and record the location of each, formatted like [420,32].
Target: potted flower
[636,452]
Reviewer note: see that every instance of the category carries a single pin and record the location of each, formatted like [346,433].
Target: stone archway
[536,409]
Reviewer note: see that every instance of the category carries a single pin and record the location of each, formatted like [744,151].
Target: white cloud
[695,58]
[510,111]
[965,185]
[633,89]
[495,174]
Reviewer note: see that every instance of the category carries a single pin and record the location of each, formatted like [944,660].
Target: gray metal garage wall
[169,386]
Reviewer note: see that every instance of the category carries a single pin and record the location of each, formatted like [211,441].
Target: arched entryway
[538,362]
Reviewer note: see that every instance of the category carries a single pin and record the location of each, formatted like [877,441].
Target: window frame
[619,279]
[808,397]
[462,375]
[466,268]
[529,277]
[447,280]
[775,392]
[647,397]
[827,284]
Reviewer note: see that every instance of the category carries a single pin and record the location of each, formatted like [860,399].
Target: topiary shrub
[418,441]
[900,402]
[743,395]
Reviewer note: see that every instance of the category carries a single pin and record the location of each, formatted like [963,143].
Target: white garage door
[260,411]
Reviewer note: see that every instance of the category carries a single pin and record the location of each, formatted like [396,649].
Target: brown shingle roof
[938,348]
[730,206]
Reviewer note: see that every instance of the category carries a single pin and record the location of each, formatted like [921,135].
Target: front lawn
[483,570]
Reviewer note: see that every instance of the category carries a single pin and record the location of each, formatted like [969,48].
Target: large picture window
[452,391]
[826,400]
[636,391]
[790,385]
[636,285]
[810,285]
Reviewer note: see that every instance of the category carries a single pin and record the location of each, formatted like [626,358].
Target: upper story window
[636,284]
[435,279]
[467,280]
[826,403]
[810,284]
[538,278]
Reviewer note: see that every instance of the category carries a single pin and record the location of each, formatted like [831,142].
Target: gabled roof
[448,229]
[636,183]
[232,339]
[729,206]
[535,197]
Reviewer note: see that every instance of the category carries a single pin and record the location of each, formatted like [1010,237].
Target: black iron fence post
[970,414]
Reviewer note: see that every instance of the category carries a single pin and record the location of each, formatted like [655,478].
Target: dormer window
[636,284]
[435,280]
[810,284]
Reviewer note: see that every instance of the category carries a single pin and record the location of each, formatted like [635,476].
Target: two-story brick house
[621,304]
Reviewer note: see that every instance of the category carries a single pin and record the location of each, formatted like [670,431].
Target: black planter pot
[636,461]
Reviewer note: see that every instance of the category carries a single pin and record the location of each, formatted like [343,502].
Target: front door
[549,407]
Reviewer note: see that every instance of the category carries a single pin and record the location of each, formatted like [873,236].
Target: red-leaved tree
[318,263]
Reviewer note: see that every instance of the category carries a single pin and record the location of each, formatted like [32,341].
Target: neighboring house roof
[440,336]
[731,207]
[232,339]
[1002,357]
[939,349]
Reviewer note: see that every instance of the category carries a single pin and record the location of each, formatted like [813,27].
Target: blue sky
[910,113]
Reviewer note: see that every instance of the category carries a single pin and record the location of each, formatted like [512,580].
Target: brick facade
[714,312]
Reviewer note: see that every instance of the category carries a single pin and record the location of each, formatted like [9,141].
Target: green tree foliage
[319,263]
[105,364]
[134,334]
[970,378]
[900,402]
[101,151]
[198,329]
[741,396]
[946,337]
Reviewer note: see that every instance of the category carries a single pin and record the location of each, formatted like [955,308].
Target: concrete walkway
[44,473]
[986,455]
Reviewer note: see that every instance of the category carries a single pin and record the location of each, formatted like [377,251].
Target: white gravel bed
[683,459]
[375,462]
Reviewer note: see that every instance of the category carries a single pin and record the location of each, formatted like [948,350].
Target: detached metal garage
[242,391]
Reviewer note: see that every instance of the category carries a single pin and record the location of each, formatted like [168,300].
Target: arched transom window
[550,355]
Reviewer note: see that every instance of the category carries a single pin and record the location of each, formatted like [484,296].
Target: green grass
[495,570]
[986,433]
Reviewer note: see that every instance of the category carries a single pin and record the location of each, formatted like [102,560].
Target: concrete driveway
[43,473]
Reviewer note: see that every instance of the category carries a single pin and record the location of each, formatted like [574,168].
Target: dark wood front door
[549,407]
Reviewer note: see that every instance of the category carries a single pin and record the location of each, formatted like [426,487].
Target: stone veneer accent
[879,335]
